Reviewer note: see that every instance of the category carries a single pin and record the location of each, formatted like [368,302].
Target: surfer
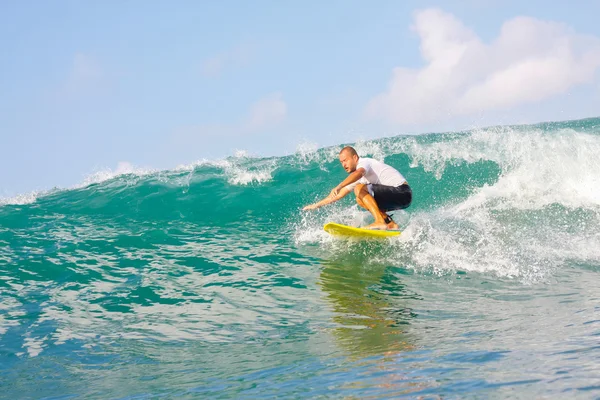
[378,187]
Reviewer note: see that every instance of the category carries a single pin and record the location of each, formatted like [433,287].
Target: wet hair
[350,151]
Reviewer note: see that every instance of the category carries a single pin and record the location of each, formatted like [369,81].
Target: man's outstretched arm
[353,177]
[329,199]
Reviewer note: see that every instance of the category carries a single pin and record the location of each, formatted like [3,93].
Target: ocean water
[208,281]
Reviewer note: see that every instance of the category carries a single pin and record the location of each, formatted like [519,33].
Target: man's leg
[391,224]
[365,200]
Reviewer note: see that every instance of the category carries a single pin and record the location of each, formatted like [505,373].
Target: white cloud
[529,61]
[267,112]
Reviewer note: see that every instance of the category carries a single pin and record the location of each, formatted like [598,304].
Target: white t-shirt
[377,172]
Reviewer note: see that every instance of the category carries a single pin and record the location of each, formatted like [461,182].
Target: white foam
[513,243]
[539,169]
[240,169]
[238,175]
[437,243]
[307,152]
[372,149]
[123,168]
[310,228]
[241,154]
[21,199]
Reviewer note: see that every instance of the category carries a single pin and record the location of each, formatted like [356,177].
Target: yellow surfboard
[350,231]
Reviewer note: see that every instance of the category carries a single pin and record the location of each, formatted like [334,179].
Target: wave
[513,201]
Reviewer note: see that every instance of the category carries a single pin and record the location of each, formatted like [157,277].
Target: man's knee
[359,188]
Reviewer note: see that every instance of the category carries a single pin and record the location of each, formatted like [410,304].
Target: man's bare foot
[378,226]
[392,225]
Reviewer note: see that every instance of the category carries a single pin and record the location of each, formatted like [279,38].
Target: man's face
[348,162]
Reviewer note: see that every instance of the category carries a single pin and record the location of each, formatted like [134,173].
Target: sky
[108,85]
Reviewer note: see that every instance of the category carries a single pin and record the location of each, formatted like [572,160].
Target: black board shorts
[390,198]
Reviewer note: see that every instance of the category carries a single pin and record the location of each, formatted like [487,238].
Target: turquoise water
[207,281]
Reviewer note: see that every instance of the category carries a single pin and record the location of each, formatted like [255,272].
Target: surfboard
[349,231]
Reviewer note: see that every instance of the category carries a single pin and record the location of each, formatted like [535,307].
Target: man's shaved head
[350,150]
[349,159]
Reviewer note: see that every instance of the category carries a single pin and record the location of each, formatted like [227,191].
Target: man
[378,187]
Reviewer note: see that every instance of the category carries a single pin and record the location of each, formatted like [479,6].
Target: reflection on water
[371,307]
[372,314]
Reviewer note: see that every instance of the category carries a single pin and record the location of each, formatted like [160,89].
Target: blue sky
[85,86]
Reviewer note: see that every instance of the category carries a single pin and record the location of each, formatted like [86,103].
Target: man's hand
[310,207]
[333,196]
